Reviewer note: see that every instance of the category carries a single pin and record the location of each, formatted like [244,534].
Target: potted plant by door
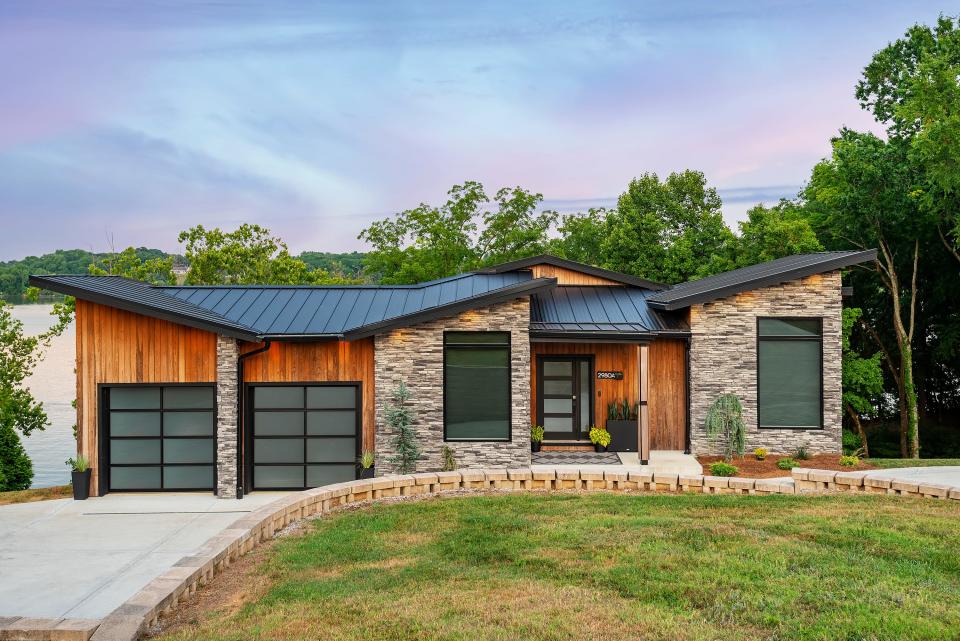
[366,464]
[80,477]
[623,426]
[600,438]
[536,437]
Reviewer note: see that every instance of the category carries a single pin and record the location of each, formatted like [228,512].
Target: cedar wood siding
[315,362]
[667,401]
[116,346]
[568,276]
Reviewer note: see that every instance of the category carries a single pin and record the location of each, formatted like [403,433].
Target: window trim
[818,338]
[104,437]
[509,347]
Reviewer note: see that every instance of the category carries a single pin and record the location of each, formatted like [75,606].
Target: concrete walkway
[945,475]
[82,559]
[660,462]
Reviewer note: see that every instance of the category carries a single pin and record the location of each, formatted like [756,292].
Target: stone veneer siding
[723,358]
[227,354]
[415,356]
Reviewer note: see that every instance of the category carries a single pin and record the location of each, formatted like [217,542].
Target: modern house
[234,389]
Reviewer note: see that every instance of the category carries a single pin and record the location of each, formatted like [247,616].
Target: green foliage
[599,436]
[851,442]
[862,377]
[721,468]
[801,454]
[400,420]
[787,463]
[131,263]
[248,255]
[621,411]
[430,242]
[760,453]
[346,265]
[367,459]
[580,236]
[669,231]
[78,464]
[849,460]
[16,470]
[774,232]
[536,433]
[449,461]
[725,421]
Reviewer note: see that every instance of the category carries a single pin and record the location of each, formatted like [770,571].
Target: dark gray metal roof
[766,274]
[593,311]
[135,296]
[549,259]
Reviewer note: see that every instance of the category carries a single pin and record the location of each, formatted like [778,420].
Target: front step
[566,447]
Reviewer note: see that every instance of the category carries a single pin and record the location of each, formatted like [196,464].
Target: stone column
[227,354]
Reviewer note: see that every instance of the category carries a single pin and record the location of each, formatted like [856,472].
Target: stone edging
[163,594]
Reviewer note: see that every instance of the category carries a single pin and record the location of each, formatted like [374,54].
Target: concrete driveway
[82,559]
[946,475]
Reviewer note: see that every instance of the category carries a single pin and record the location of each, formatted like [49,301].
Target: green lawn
[608,566]
[910,462]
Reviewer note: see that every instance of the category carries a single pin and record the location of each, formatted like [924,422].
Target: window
[789,373]
[476,389]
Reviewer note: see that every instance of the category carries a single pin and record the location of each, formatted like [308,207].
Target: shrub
[16,470]
[849,460]
[721,468]
[801,454]
[760,453]
[536,434]
[400,419]
[725,419]
[851,442]
[599,436]
[449,462]
[787,463]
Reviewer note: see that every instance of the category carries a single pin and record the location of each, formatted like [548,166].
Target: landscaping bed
[750,467]
[598,566]
[37,494]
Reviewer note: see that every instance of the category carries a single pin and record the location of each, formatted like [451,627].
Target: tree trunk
[855,417]
[913,418]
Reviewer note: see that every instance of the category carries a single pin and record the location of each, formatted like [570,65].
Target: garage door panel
[187,477]
[184,398]
[332,423]
[135,398]
[135,478]
[134,423]
[132,451]
[187,450]
[303,436]
[188,424]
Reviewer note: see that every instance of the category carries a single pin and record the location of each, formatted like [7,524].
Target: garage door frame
[248,425]
[103,430]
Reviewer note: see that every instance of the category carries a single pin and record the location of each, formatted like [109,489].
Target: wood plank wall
[116,346]
[318,361]
[607,356]
[668,394]
[569,276]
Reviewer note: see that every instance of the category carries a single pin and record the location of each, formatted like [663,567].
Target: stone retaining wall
[162,595]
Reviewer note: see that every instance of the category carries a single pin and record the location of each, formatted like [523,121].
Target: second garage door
[303,436]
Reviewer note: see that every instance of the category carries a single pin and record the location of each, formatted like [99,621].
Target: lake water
[54,384]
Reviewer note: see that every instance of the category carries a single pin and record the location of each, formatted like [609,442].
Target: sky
[122,123]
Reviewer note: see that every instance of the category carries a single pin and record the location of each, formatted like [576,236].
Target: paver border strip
[162,595]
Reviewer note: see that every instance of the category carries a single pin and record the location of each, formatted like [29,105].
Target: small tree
[725,420]
[400,418]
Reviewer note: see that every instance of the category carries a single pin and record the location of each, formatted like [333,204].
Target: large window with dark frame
[160,437]
[476,389]
[790,373]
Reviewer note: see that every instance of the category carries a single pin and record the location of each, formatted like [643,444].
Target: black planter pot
[367,472]
[623,435]
[599,448]
[81,485]
[535,446]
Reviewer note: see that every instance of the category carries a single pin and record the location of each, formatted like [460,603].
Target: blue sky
[134,120]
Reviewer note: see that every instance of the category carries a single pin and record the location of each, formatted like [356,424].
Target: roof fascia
[555,261]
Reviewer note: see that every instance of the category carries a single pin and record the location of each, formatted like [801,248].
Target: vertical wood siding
[569,276]
[318,361]
[116,346]
[668,394]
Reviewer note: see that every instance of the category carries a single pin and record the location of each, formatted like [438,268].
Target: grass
[36,494]
[606,566]
[910,462]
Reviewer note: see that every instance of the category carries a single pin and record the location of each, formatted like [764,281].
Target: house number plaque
[603,375]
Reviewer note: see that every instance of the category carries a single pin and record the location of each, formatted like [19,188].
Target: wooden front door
[565,396]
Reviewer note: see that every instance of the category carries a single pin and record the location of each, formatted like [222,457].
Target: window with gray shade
[476,391]
[790,373]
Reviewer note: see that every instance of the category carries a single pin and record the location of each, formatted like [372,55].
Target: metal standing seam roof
[600,310]
[766,274]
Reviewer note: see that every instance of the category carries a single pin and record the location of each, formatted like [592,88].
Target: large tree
[774,232]
[670,230]
[429,241]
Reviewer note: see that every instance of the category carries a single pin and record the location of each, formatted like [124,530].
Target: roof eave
[556,261]
[503,294]
[765,281]
[141,308]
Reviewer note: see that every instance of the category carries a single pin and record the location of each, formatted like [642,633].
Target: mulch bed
[750,467]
